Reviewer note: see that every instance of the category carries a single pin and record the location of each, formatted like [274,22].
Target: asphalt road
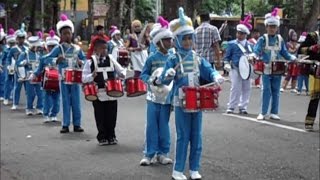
[234,147]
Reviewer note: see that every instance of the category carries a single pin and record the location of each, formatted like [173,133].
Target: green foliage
[145,10]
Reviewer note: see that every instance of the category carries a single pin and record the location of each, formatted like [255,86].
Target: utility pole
[42,14]
[90,17]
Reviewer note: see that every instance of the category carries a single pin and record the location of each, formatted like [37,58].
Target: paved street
[234,147]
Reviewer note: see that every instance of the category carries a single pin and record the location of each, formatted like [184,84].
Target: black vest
[99,79]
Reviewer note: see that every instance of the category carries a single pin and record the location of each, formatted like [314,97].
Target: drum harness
[274,51]
[244,51]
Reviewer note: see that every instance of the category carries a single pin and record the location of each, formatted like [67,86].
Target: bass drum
[244,68]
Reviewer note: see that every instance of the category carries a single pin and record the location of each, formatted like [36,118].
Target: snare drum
[293,69]
[114,87]
[258,67]
[305,67]
[207,99]
[90,91]
[72,76]
[123,57]
[278,67]
[51,79]
[135,87]
[190,99]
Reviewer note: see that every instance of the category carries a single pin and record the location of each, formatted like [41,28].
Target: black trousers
[105,113]
[312,109]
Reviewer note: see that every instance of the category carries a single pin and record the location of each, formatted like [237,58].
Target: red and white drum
[209,98]
[258,67]
[304,67]
[36,80]
[190,99]
[51,79]
[90,91]
[123,57]
[278,67]
[114,87]
[135,87]
[72,76]
[293,69]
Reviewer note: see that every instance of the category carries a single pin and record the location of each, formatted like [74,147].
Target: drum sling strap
[105,70]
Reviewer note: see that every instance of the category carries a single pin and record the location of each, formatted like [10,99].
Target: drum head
[253,75]
[244,68]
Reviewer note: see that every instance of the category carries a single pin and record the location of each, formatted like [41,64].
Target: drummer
[13,55]
[116,43]
[192,67]
[240,88]
[69,56]
[311,47]
[51,98]
[30,61]
[97,69]
[157,132]
[271,52]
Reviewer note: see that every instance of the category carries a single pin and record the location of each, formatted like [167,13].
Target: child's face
[272,29]
[101,50]
[167,43]
[187,41]
[117,36]
[50,47]
[66,35]
[241,35]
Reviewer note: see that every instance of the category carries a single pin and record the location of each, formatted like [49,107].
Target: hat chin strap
[163,45]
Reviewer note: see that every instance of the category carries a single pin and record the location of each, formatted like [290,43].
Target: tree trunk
[310,20]
[90,17]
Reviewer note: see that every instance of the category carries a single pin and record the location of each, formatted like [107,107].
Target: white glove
[219,79]
[31,77]
[171,72]
[227,67]
[23,63]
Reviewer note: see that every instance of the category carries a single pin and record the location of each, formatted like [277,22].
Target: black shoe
[64,129]
[103,142]
[77,129]
[242,111]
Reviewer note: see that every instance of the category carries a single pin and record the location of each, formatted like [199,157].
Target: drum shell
[90,91]
[207,99]
[278,67]
[73,76]
[293,69]
[135,87]
[51,79]
[114,87]
[190,101]
[258,67]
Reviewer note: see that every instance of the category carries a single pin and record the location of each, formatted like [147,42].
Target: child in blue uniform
[30,61]
[51,107]
[271,47]
[157,133]
[185,68]
[68,56]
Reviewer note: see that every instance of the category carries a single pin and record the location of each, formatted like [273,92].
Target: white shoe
[29,112]
[46,119]
[162,159]
[14,107]
[281,90]
[260,117]
[293,91]
[229,111]
[258,86]
[145,161]
[5,102]
[176,175]
[54,118]
[298,93]
[39,112]
[274,116]
[1,98]
[195,175]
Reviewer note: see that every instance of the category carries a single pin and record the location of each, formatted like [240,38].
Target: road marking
[266,122]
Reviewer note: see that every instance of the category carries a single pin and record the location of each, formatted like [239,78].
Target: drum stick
[209,84]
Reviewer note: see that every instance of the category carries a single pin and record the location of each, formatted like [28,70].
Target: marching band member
[30,61]
[9,78]
[240,88]
[69,56]
[97,69]
[137,48]
[51,98]
[292,47]
[3,71]
[253,40]
[157,132]
[272,51]
[311,47]
[115,44]
[12,58]
[185,68]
